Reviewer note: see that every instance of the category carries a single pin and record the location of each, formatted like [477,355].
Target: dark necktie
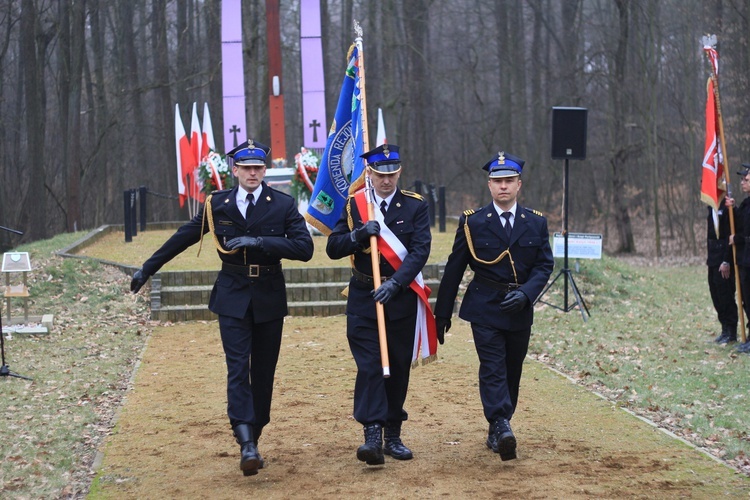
[508,227]
[383,207]
[250,205]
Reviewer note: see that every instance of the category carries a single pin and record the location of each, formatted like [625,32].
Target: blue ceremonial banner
[358,167]
[341,156]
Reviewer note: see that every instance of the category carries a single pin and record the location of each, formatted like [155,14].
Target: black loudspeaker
[569,133]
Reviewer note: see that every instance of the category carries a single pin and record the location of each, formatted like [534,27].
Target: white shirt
[512,212]
[242,198]
[379,200]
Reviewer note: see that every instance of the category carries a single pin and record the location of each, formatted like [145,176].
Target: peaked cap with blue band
[383,159]
[249,153]
[504,165]
[745,169]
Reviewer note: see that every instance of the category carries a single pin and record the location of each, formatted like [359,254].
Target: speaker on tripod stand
[568,143]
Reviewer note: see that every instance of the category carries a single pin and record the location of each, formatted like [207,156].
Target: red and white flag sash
[390,247]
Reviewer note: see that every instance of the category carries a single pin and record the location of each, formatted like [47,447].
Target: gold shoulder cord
[485,262]
[208,215]
[349,219]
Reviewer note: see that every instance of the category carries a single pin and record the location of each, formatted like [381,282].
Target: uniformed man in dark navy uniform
[721,280]
[379,401]
[253,227]
[742,241]
[507,247]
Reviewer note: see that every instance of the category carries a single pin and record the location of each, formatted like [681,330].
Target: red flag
[713,184]
[196,186]
[184,155]
[208,145]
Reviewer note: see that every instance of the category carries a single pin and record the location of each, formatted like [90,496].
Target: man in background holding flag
[721,279]
[741,241]
[402,225]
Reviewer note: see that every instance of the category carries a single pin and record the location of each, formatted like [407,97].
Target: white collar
[512,210]
[387,200]
[242,194]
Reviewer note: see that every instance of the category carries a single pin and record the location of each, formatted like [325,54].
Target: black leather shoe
[725,339]
[250,460]
[393,446]
[728,335]
[744,347]
[501,439]
[723,336]
[372,451]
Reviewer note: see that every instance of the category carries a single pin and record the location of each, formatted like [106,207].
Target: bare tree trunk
[7,142]
[504,134]
[619,145]
[32,51]
[416,14]
[213,45]
[73,129]
[101,175]
[137,168]
[164,116]
[518,57]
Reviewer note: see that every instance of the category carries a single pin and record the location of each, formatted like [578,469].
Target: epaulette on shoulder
[220,192]
[469,212]
[535,212]
[413,195]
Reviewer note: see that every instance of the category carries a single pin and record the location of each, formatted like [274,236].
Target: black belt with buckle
[253,270]
[503,287]
[366,278]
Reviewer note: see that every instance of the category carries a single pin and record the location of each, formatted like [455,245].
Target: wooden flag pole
[374,253]
[711,43]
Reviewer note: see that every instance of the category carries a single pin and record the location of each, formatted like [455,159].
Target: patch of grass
[50,428]
[648,346]
[112,247]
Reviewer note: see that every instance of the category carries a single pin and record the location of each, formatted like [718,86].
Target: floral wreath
[214,172]
[307,163]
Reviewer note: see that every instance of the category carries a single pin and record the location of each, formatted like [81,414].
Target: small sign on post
[580,245]
[16,262]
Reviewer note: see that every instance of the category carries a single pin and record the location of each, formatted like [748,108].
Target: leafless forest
[88,89]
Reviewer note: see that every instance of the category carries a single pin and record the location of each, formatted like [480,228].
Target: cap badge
[501,158]
[250,144]
[386,152]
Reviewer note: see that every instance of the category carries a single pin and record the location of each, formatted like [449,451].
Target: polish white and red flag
[208,144]
[196,140]
[184,154]
[380,138]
